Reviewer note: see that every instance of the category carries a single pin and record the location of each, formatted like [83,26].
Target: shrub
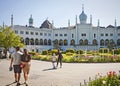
[70,50]
[32,53]
[112,79]
[44,52]
[80,52]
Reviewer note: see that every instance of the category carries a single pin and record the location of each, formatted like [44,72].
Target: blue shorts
[17,69]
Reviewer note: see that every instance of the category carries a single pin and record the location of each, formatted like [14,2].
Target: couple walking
[20,61]
[59,59]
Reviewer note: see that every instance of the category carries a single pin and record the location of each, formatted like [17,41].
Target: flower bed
[111,79]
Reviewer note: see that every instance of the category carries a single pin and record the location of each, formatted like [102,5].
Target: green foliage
[103,50]
[44,52]
[32,53]
[70,50]
[8,38]
[79,51]
[112,79]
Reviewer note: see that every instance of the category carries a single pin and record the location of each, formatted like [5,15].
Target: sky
[59,11]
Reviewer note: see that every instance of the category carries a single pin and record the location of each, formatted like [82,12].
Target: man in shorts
[15,63]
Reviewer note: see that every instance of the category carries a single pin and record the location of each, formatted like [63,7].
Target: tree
[9,39]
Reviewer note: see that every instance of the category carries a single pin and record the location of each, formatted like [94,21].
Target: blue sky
[60,11]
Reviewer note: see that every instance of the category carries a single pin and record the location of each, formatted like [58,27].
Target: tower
[76,20]
[12,20]
[98,22]
[30,21]
[69,23]
[115,23]
[83,16]
[90,19]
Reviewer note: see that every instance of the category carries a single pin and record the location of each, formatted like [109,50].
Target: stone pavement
[42,74]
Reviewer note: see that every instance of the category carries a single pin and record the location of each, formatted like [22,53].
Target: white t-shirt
[53,58]
[17,58]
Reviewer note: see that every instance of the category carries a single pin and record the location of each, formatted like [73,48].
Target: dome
[46,24]
[83,17]
[31,21]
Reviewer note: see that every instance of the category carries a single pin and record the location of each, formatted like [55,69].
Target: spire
[90,19]
[98,22]
[3,24]
[82,7]
[115,23]
[12,20]
[69,23]
[76,19]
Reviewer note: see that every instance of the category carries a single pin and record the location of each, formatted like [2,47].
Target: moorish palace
[82,35]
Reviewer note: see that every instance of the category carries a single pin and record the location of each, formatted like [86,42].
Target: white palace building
[81,36]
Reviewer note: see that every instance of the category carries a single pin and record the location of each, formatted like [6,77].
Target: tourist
[15,63]
[53,60]
[59,58]
[26,63]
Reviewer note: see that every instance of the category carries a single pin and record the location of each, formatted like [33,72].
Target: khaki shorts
[26,69]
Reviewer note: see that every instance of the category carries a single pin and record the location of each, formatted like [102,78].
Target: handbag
[22,65]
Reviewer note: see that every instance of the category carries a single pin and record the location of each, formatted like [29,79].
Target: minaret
[12,20]
[115,23]
[69,23]
[52,23]
[3,24]
[98,22]
[76,20]
[91,19]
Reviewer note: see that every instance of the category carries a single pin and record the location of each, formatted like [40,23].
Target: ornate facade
[82,35]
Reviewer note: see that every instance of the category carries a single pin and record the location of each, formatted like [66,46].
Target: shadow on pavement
[49,69]
[13,83]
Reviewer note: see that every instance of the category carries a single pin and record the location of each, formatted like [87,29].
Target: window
[21,32]
[72,35]
[106,34]
[27,32]
[31,33]
[111,34]
[60,34]
[65,34]
[45,34]
[83,34]
[94,35]
[102,34]
[16,31]
[49,34]
[36,33]
[56,34]
[41,34]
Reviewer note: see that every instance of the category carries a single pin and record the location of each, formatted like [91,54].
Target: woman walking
[25,64]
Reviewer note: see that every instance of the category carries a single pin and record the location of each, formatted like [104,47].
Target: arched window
[72,42]
[94,42]
[45,41]
[65,42]
[106,42]
[27,41]
[112,41]
[36,42]
[41,41]
[32,41]
[60,42]
[85,42]
[81,42]
[22,40]
[101,42]
[118,42]
[49,42]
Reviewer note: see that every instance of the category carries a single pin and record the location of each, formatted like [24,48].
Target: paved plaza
[42,74]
